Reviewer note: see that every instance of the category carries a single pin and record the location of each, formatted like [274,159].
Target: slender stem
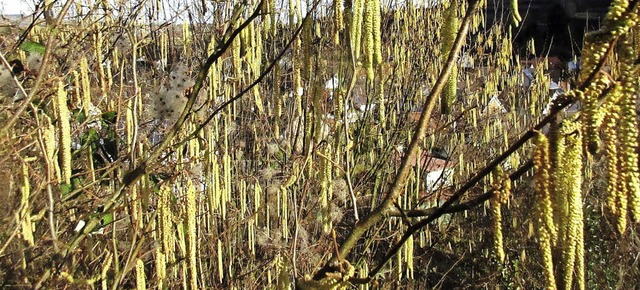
[8,241]
[345,121]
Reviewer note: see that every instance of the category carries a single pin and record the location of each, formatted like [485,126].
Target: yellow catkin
[628,139]
[572,166]
[307,51]
[505,191]
[164,49]
[377,33]
[621,198]
[136,207]
[49,138]
[190,213]
[86,85]
[338,21]
[409,246]
[166,222]
[215,185]
[227,170]
[105,269]
[592,111]
[98,40]
[617,21]
[542,168]
[140,277]
[325,197]
[298,90]
[258,100]
[283,211]
[220,261]
[543,212]
[497,228]
[161,268]
[186,38]
[449,31]
[500,197]
[273,19]
[368,39]
[356,26]
[236,58]
[60,103]
[557,150]
[610,133]
[593,50]
[23,217]
[515,14]
[611,99]
[266,17]
[184,267]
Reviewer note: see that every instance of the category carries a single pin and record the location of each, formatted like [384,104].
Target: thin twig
[6,243]
[345,123]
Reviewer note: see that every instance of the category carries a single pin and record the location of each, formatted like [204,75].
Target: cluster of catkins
[171,100]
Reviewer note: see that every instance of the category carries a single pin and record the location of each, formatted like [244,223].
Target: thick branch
[429,212]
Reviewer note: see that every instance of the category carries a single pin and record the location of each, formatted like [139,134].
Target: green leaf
[79,115]
[76,182]
[106,219]
[32,47]
[90,137]
[109,117]
[65,189]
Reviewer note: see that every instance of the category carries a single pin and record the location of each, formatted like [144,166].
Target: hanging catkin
[60,103]
[449,31]
[543,213]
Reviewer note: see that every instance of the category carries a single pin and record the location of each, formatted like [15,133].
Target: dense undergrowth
[250,145]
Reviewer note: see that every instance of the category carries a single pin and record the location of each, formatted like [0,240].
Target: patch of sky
[180,11]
